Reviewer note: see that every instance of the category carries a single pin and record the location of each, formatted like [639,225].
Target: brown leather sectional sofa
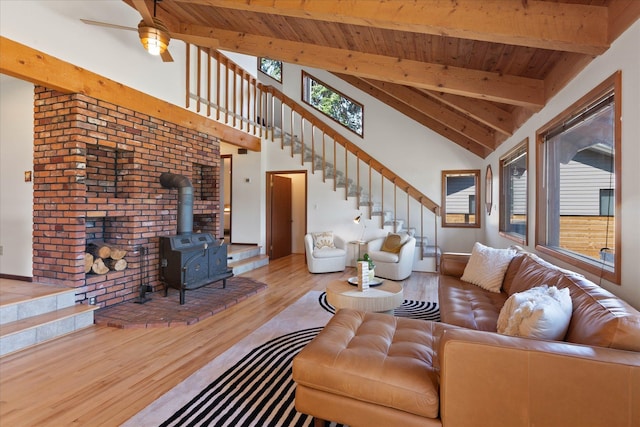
[371,369]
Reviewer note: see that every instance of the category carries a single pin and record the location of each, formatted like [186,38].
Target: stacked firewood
[100,258]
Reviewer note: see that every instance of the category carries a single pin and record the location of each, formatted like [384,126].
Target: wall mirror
[461,198]
[488,189]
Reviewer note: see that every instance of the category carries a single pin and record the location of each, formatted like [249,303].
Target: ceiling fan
[154,35]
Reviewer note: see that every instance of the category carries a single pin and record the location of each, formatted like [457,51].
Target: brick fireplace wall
[96,178]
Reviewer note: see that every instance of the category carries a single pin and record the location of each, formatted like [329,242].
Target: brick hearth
[163,311]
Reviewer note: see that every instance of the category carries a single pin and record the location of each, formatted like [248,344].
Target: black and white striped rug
[258,390]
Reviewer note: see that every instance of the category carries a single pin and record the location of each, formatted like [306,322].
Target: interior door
[280,216]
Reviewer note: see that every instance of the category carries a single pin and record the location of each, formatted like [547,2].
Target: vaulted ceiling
[471,70]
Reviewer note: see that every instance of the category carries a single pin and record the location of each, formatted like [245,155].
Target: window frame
[303,97]
[613,85]
[267,74]
[478,213]
[522,148]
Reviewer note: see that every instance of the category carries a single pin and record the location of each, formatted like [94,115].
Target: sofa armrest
[453,264]
[492,379]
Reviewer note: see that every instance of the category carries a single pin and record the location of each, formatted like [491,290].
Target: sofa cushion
[393,243]
[487,266]
[323,239]
[328,252]
[375,358]
[534,271]
[600,318]
[512,270]
[469,306]
[542,312]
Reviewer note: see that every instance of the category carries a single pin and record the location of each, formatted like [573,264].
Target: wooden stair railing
[243,102]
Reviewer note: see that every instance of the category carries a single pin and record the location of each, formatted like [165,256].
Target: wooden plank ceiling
[471,70]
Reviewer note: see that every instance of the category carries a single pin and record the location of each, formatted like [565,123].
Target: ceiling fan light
[154,39]
[153,45]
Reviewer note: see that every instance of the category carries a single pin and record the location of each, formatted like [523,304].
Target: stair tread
[247,260]
[16,292]
[235,248]
[42,319]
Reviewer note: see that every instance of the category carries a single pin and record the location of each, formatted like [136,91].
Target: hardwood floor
[102,376]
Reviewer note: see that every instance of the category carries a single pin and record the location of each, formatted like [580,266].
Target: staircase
[31,313]
[243,258]
[237,99]
[427,256]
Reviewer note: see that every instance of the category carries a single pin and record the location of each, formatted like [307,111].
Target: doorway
[286,213]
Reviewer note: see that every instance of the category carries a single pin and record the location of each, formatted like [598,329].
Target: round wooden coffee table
[383,298]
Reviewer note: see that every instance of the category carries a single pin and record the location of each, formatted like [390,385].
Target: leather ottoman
[370,369]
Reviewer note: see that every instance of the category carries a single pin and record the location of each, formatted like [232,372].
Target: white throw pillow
[542,312]
[487,266]
[323,239]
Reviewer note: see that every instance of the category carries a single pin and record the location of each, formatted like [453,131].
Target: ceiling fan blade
[141,7]
[196,40]
[106,24]
[166,56]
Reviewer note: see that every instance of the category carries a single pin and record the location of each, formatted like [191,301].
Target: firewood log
[116,264]
[98,266]
[99,250]
[117,252]
[88,262]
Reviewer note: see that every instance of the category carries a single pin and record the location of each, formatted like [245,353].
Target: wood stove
[190,260]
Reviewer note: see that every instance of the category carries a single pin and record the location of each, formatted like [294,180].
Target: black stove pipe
[185,200]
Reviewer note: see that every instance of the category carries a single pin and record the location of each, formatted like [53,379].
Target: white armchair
[389,265]
[325,259]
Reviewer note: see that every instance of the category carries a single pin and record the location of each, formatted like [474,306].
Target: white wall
[249,63]
[248,188]
[16,195]
[54,27]
[623,55]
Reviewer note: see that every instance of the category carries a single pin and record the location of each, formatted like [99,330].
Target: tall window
[460,200]
[271,68]
[513,193]
[332,103]
[578,181]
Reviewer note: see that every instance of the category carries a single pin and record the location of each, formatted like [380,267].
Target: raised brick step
[32,313]
[34,330]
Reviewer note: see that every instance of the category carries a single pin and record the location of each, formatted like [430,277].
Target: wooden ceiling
[471,70]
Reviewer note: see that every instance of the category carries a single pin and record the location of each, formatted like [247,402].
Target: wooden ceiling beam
[484,112]
[490,86]
[37,67]
[532,23]
[427,106]
[437,127]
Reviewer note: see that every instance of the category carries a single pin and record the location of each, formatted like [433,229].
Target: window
[271,68]
[332,103]
[460,201]
[606,202]
[578,183]
[513,193]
